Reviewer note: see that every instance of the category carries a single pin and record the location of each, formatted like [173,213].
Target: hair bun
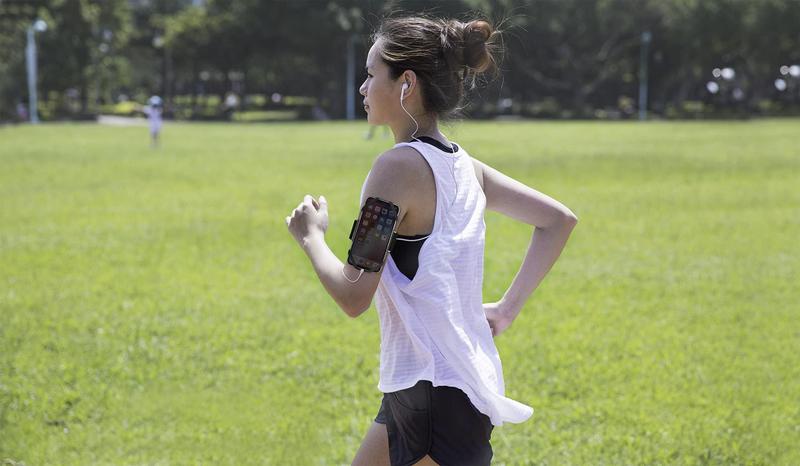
[476,54]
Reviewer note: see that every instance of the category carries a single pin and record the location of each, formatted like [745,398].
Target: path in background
[113,120]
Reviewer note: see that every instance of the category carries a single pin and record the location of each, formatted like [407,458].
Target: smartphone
[373,234]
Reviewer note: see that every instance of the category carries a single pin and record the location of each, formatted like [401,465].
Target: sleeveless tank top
[433,326]
[406,248]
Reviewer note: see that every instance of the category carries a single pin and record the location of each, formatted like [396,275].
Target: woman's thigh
[374,448]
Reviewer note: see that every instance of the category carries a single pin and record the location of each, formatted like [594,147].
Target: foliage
[584,55]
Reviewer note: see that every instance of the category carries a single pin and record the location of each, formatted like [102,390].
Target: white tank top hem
[433,326]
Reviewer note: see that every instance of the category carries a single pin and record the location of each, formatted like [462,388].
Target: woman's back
[419,220]
[433,327]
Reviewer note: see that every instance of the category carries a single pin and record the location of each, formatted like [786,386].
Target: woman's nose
[363,90]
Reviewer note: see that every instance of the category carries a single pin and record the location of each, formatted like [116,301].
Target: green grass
[154,309]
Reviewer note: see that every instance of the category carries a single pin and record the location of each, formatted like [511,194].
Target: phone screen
[372,234]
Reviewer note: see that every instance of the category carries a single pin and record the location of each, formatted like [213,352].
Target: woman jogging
[440,371]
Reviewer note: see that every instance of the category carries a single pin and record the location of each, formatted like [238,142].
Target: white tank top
[433,327]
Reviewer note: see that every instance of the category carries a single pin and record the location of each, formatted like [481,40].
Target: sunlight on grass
[153,308]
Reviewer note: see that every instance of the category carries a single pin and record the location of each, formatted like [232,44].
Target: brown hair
[446,55]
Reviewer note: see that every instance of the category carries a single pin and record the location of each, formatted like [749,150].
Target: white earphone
[402,93]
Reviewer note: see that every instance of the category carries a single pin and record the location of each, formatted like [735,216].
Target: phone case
[373,234]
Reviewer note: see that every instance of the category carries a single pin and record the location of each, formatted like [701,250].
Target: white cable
[352,281]
[418,239]
[403,91]
[455,182]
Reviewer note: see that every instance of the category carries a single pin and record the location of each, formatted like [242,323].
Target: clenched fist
[310,218]
[499,317]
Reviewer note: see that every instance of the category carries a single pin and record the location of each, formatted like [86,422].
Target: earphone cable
[348,279]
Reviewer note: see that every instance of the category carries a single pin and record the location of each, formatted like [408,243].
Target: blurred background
[249,60]
[154,309]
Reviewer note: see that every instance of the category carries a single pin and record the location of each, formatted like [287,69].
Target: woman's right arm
[553,224]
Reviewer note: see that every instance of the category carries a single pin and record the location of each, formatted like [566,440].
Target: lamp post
[645,39]
[159,44]
[351,76]
[30,57]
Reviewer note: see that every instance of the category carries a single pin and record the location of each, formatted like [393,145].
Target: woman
[440,371]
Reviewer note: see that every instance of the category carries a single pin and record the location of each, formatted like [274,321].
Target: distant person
[154,110]
[231,105]
[371,132]
[440,371]
[319,114]
[22,112]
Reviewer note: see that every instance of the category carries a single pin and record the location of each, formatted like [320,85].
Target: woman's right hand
[499,317]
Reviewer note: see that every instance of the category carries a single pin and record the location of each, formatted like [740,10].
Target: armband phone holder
[373,234]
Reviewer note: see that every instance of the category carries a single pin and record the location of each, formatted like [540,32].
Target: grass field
[154,309]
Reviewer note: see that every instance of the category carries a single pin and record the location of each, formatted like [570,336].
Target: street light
[727,73]
[351,76]
[645,39]
[30,57]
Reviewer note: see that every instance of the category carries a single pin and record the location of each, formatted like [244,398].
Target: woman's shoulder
[407,171]
[400,161]
[398,175]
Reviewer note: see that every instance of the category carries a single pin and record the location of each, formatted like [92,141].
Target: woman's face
[381,92]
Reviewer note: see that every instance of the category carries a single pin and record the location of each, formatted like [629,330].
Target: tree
[15,18]
[74,51]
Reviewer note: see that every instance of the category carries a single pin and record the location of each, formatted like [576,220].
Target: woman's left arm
[309,222]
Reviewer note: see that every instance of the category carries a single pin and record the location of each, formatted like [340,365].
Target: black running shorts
[436,421]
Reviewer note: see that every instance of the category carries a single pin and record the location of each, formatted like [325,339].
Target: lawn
[155,310]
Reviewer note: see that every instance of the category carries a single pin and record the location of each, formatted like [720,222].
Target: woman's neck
[405,132]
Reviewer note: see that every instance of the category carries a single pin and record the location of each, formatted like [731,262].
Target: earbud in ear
[405,86]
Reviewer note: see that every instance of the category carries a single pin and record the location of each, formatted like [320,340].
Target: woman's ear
[410,79]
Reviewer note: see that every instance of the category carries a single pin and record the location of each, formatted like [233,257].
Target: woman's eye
[369,75]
